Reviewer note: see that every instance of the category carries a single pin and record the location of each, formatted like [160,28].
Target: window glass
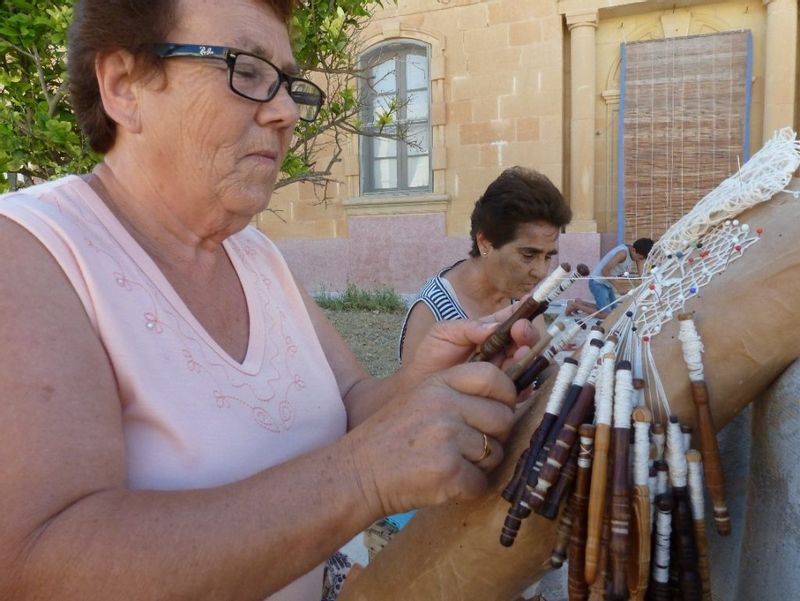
[384,148]
[383,78]
[418,171]
[417,106]
[416,72]
[417,137]
[385,171]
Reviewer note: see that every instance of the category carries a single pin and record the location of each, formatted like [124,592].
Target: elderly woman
[179,420]
[514,229]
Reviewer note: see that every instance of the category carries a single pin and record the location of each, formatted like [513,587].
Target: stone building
[635,109]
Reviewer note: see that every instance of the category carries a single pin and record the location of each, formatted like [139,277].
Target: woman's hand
[442,431]
[445,345]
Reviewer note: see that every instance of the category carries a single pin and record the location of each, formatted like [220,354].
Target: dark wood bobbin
[516,490]
[526,377]
[563,533]
[501,337]
[715,481]
[563,487]
[579,500]
[639,543]
[562,446]
[620,504]
[600,589]
[695,463]
[527,459]
[683,540]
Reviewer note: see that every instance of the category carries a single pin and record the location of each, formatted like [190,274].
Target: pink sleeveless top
[193,416]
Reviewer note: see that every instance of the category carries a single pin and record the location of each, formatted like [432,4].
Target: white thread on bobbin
[589,355]
[623,392]
[561,342]
[555,328]
[661,552]
[547,285]
[641,446]
[563,380]
[695,462]
[676,457]
[585,459]
[692,348]
[605,391]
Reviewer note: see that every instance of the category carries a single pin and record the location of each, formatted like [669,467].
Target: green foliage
[38,134]
[356,299]
[324,38]
[39,137]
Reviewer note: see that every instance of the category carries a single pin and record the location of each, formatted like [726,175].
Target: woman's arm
[420,321]
[71,528]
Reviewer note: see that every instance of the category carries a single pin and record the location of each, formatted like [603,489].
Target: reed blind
[685,104]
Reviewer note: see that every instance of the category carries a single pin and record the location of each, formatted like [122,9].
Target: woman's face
[516,267]
[208,146]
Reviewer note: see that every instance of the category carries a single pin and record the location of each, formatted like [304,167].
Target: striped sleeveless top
[438,295]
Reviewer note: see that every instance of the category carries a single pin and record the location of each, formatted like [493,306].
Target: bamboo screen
[684,125]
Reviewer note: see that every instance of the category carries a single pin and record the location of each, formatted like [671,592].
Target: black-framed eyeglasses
[253,77]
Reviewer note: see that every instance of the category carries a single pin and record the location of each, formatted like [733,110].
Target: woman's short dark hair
[518,195]
[105,25]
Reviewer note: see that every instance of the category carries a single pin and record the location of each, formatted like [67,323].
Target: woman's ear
[117,80]
[484,246]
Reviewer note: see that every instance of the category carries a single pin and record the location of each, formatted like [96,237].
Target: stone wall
[505,75]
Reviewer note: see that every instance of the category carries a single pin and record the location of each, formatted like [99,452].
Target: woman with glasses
[179,419]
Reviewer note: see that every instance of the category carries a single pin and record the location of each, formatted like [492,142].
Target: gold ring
[487,449]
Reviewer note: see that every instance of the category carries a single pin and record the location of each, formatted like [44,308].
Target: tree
[39,137]
[38,134]
[326,34]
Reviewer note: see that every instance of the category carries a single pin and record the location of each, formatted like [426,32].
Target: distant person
[606,281]
[514,229]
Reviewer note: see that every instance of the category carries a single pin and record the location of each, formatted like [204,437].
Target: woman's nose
[540,267]
[282,110]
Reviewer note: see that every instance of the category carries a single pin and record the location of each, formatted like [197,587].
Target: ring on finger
[487,449]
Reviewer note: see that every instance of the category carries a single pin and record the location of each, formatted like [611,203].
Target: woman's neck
[153,221]
[475,289]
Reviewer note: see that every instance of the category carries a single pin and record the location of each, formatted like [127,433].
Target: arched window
[397,75]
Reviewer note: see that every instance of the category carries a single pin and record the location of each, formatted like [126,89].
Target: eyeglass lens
[259,80]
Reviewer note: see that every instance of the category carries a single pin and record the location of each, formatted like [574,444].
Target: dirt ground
[372,336]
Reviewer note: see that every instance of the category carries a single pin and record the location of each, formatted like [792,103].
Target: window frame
[395,49]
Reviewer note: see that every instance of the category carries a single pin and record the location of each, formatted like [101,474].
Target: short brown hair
[105,25]
[518,195]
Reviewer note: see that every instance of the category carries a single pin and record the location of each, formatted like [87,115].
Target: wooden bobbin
[578,590]
[701,539]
